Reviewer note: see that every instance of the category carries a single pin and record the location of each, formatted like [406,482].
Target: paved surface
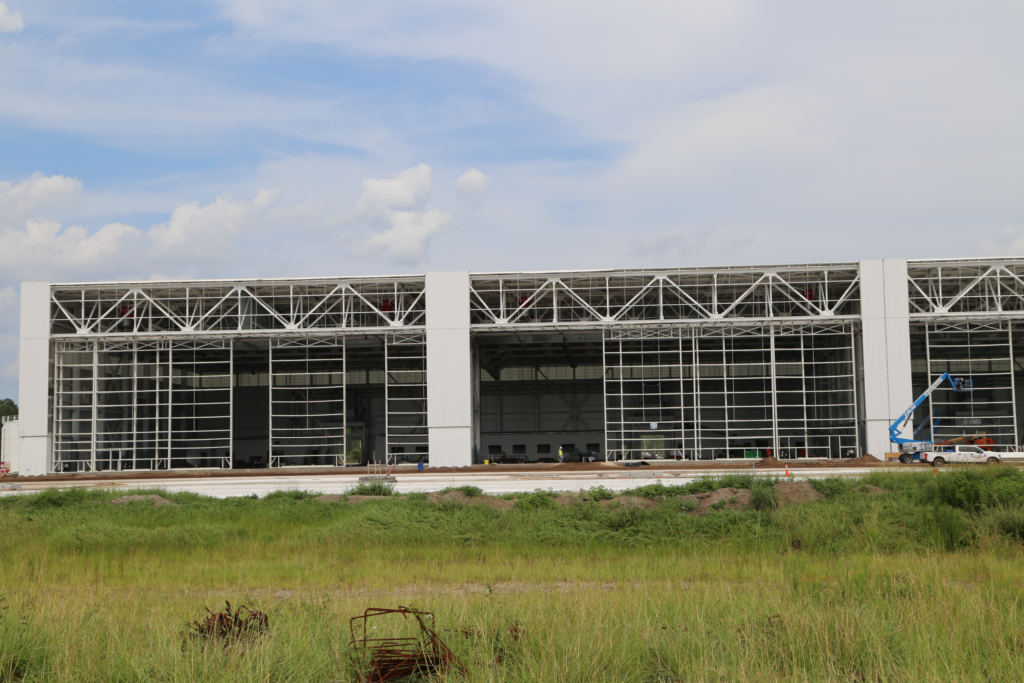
[410,482]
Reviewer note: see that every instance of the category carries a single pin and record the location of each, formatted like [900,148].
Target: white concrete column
[885,315]
[449,370]
[34,378]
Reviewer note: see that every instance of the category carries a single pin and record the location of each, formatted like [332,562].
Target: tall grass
[920,583]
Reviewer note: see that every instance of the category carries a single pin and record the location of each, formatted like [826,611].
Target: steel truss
[706,392]
[966,287]
[982,350]
[307,401]
[141,404]
[616,297]
[405,397]
[239,307]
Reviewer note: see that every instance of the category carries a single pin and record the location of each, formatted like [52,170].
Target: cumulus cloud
[36,192]
[200,233]
[1010,242]
[408,190]
[43,249]
[10,22]
[472,186]
[396,207]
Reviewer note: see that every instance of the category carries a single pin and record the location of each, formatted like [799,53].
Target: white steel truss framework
[601,298]
[131,404]
[979,350]
[141,404]
[967,287]
[241,307]
[731,391]
[307,401]
[405,397]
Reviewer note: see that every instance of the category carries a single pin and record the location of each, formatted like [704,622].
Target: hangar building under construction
[455,368]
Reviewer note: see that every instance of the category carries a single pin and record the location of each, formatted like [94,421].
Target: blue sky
[229,138]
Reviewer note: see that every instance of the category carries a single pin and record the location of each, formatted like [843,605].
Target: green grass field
[923,583]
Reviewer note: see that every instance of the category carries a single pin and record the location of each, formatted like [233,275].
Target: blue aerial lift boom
[913,445]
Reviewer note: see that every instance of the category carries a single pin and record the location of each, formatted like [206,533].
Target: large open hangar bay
[459,368]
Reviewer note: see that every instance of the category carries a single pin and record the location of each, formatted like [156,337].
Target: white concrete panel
[451,446]
[897,338]
[448,300]
[35,455]
[449,377]
[10,445]
[449,369]
[872,287]
[34,377]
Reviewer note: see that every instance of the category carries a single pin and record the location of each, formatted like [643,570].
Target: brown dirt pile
[797,492]
[869,490]
[630,502]
[460,497]
[354,500]
[732,499]
[154,500]
[866,460]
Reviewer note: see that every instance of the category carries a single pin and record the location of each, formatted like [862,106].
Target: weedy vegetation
[892,577]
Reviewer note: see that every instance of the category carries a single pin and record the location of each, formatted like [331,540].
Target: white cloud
[36,192]
[397,205]
[43,249]
[406,240]
[1010,242]
[408,190]
[200,233]
[10,22]
[472,186]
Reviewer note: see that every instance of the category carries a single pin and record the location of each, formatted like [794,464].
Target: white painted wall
[886,347]
[34,378]
[10,445]
[449,377]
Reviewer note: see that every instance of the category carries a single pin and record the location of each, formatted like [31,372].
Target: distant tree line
[8,407]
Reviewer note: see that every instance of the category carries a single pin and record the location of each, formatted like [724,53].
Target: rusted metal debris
[229,626]
[504,639]
[383,658]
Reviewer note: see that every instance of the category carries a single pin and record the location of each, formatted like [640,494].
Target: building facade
[454,368]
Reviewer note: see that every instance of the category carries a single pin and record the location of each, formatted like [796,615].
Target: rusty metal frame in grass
[393,659]
[229,626]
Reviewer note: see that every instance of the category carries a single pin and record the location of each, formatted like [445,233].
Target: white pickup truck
[961,454]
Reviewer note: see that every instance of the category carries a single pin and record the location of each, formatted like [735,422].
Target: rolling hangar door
[686,363]
[967,319]
[709,392]
[244,374]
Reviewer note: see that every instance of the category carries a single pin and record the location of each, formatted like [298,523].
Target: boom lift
[909,447]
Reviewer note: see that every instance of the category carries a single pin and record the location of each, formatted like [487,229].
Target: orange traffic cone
[787,469]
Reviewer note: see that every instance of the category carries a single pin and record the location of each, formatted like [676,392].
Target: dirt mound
[460,497]
[630,502]
[771,461]
[354,500]
[731,499]
[866,460]
[869,490]
[796,492]
[154,500]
